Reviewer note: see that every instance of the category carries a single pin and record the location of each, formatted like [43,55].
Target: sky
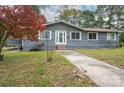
[52,10]
[88,7]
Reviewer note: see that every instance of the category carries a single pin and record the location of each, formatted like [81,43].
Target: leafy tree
[19,22]
[105,15]
[87,19]
[77,17]
[68,15]
[46,10]
[119,9]
[100,22]
[36,8]
[122,37]
[110,16]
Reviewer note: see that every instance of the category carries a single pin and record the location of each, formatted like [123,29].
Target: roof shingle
[84,29]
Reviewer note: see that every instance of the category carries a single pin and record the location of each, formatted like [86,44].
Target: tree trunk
[2,42]
[20,47]
[1,58]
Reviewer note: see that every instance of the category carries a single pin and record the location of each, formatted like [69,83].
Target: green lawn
[112,56]
[32,69]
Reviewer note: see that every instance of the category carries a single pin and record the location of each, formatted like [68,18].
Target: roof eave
[65,23]
[78,27]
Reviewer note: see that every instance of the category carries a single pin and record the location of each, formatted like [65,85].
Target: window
[111,36]
[92,36]
[45,35]
[75,36]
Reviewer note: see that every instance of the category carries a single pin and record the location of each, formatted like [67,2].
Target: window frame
[50,35]
[75,32]
[92,32]
[110,33]
[56,34]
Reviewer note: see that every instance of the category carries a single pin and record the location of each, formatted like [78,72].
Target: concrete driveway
[103,74]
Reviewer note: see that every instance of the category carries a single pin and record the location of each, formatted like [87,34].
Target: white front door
[60,37]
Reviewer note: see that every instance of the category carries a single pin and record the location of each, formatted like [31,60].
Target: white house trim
[114,36]
[39,34]
[75,32]
[57,37]
[50,35]
[92,32]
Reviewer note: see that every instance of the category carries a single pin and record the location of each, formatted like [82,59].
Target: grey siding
[27,45]
[102,41]
[13,42]
[102,36]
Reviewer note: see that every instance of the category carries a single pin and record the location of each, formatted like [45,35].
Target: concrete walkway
[102,73]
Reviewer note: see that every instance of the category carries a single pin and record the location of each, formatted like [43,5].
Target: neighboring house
[63,35]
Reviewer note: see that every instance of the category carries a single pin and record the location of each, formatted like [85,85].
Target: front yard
[111,56]
[32,69]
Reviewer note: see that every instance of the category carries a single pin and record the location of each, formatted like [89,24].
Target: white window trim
[58,37]
[39,34]
[45,38]
[74,32]
[92,32]
[114,36]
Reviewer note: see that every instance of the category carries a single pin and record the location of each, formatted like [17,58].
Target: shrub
[121,44]
[35,49]
[121,37]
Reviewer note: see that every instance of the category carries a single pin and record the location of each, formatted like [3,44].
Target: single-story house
[63,35]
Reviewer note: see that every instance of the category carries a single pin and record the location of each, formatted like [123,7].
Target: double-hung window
[111,36]
[92,36]
[45,35]
[75,35]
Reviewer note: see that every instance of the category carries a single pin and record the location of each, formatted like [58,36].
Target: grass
[31,69]
[111,56]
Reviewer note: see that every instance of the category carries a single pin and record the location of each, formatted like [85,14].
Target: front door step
[60,47]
